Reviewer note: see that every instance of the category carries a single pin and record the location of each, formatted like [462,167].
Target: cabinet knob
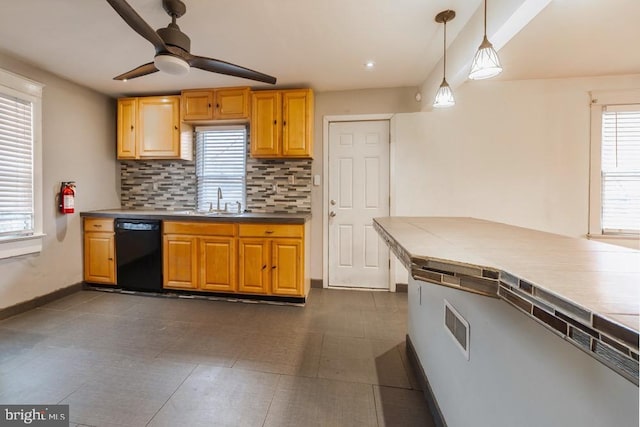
[175,127]
[284,123]
[273,267]
[264,266]
[275,122]
[209,105]
[110,259]
[269,232]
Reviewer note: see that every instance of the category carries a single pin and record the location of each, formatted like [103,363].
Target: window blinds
[16,166]
[621,169]
[221,154]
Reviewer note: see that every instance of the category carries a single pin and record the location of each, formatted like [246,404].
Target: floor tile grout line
[266,415]
[375,403]
[172,394]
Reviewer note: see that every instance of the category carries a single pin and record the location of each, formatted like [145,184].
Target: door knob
[332,214]
[333,202]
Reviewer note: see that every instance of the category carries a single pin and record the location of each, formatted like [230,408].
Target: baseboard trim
[402,287]
[317,283]
[438,419]
[39,301]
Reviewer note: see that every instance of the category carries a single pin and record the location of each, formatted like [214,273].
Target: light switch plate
[316,180]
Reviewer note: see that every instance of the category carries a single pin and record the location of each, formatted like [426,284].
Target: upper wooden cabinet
[215,104]
[282,123]
[150,128]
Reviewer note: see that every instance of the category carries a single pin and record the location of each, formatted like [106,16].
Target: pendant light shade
[444,96]
[486,63]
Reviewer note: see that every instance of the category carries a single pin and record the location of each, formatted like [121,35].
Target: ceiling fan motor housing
[174,37]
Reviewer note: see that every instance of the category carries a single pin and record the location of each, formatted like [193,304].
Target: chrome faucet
[219,198]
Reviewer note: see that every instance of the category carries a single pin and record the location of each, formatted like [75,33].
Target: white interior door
[358,192]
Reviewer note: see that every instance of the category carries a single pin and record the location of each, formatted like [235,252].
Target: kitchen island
[247,255]
[551,322]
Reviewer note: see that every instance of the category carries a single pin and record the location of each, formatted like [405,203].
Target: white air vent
[457,327]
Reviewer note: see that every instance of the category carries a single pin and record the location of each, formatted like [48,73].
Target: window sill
[626,240]
[16,246]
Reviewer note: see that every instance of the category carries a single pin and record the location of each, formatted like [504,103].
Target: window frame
[599,100]
[23,88]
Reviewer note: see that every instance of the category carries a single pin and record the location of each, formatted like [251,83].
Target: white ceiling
[576,38]
[318,43]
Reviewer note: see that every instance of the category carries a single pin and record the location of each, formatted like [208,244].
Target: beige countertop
[591,285]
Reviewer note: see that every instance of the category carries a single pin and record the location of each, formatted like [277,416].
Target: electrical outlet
[292,179]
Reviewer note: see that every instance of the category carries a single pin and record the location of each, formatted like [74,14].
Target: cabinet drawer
[98,224]
[270,230]
[199,228]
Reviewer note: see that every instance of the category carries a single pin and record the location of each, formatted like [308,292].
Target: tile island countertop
[586,291]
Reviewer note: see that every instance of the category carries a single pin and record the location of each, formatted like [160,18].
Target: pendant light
[444,96]
[486,63]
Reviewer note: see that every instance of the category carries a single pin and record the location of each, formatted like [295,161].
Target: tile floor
[128,360]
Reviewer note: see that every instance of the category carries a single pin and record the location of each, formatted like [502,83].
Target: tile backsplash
[171,185]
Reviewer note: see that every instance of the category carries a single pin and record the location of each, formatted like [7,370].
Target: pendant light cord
[444,67]
[485,18]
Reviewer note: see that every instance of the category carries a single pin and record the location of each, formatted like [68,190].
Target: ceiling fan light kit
[173,47]
[171,64]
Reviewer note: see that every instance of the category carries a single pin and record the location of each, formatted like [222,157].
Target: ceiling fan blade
[140,71]
[138,24]
[221,67]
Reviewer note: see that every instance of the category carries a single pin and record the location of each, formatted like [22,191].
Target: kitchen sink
[205,213]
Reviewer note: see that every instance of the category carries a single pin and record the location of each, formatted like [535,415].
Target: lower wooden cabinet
[199,256]
[180,263]
[99,251]
[273,264]
[218,261]
[287,271]
[255,266]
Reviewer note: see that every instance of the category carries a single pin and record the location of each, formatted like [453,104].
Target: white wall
[515,152]
[78,144]
[518,374]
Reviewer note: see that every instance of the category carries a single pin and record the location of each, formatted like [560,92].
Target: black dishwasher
[139,254]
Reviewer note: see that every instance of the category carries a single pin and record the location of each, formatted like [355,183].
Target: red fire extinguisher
[67,197]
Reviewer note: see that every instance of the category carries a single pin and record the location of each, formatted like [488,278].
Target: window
[20,165]
[615,164]
[621,169]
[221,156]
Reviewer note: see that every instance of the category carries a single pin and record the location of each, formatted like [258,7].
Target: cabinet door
[218,264]
[197,105]
[127,128]
[254,266]
[159,122]
[99,262]
[231,104]
[297,123]
[287,267]
[180,262]
[266,116]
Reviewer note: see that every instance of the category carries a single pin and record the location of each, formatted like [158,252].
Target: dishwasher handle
[137,225]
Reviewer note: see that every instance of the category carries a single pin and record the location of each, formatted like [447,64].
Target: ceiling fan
[172,47]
